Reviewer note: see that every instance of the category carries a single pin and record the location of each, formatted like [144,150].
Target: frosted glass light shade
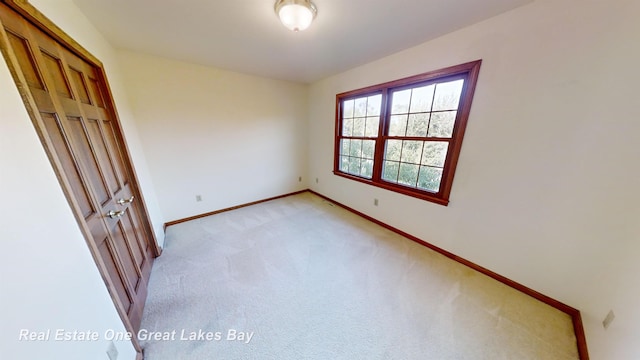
[296,15]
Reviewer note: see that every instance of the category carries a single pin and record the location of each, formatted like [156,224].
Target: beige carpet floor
[301,278]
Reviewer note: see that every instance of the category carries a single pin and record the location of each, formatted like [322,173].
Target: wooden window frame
[467,71]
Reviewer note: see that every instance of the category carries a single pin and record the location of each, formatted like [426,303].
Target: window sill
[397,188]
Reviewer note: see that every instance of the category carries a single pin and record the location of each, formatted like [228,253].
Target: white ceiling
[246,35]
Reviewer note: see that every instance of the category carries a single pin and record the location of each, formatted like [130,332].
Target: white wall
[229,137]
[49,279]
[546,186]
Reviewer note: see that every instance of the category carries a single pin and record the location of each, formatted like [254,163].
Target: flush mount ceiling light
[296,15]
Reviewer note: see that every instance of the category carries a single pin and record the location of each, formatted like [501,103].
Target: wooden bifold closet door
[74,116]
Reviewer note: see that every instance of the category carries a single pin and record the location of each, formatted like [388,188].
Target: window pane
[448,95]
[411,152]
[368,148]
[347,109]
[360,107]
[430,178]
[356,148]
[400,102]
[344,163]
[358,127]
[418,124]
[392,151]
[421,98]
[344,146]
[408,174]
[441,124]
[398,126]
[354,165]
[367,168]
[347,127]
[434,154]
[372,126]
[373,105]
[390,171]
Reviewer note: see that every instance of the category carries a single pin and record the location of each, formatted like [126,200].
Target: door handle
[125,201]
[116,214]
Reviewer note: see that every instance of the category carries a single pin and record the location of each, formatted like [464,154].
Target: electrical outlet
[198,197]
[112,351]
[608,319]
[299,178]
[375,202]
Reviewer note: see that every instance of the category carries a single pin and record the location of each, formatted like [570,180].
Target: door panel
[103,154]
[97,96]
[76,119]
[107,254]
[86,155]
[110,135]
[81,88]
[137,252]
[23,53]
[64,154]
[54,67]
[123,247]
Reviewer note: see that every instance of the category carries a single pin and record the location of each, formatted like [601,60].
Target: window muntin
[406,135]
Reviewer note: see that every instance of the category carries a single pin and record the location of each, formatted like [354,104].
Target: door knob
[125,201]
[116,214]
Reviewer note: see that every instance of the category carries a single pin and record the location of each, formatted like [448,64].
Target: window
[406,135]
